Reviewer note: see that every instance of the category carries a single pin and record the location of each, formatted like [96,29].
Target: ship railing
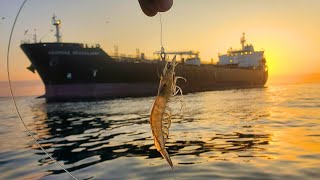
[89,46]
[134,59]
[236,66]
[26,41]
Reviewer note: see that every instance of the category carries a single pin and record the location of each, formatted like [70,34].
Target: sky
[287,30]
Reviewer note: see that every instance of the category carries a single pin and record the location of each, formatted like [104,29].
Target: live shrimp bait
[161,113]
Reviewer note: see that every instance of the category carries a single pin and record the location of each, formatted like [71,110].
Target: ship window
[44,44]
[230,60]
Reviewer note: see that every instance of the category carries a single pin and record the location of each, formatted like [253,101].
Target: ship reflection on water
[84,134]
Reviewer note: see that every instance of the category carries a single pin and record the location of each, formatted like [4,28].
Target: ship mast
[35,36]
[56,22]
[243,40]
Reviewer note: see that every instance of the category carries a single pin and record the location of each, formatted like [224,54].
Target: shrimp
[160,118]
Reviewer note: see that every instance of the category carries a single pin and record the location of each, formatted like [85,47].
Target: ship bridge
[245,57]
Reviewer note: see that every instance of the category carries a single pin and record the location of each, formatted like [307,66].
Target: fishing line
[13,98]
[160,29]
[162,53]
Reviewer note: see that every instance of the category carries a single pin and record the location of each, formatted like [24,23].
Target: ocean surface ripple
[264,133]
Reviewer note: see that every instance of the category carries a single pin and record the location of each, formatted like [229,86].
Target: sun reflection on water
[261,129]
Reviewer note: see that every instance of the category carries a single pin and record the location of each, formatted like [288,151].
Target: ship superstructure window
[230,60]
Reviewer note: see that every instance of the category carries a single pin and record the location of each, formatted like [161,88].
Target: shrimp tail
[166,156]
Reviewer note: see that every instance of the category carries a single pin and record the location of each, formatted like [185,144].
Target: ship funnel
[57,22]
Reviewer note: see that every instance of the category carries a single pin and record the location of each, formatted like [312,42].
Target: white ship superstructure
[246,57]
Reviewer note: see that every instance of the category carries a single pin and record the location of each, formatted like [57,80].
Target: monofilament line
[160,29]
[162,52]
[13,98]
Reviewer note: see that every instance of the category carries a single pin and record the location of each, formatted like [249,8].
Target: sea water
[263,133]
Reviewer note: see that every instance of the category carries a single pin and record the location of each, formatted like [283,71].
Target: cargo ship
[74,71]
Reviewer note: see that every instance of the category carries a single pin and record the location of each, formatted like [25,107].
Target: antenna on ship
[35,36]
[243,40]
[116,51]
[56,22]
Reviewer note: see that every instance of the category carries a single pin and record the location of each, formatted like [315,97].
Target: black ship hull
[71,71]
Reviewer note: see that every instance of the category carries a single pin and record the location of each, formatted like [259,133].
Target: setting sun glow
[286,30]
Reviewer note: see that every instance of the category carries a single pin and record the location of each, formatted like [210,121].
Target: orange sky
[288,30]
